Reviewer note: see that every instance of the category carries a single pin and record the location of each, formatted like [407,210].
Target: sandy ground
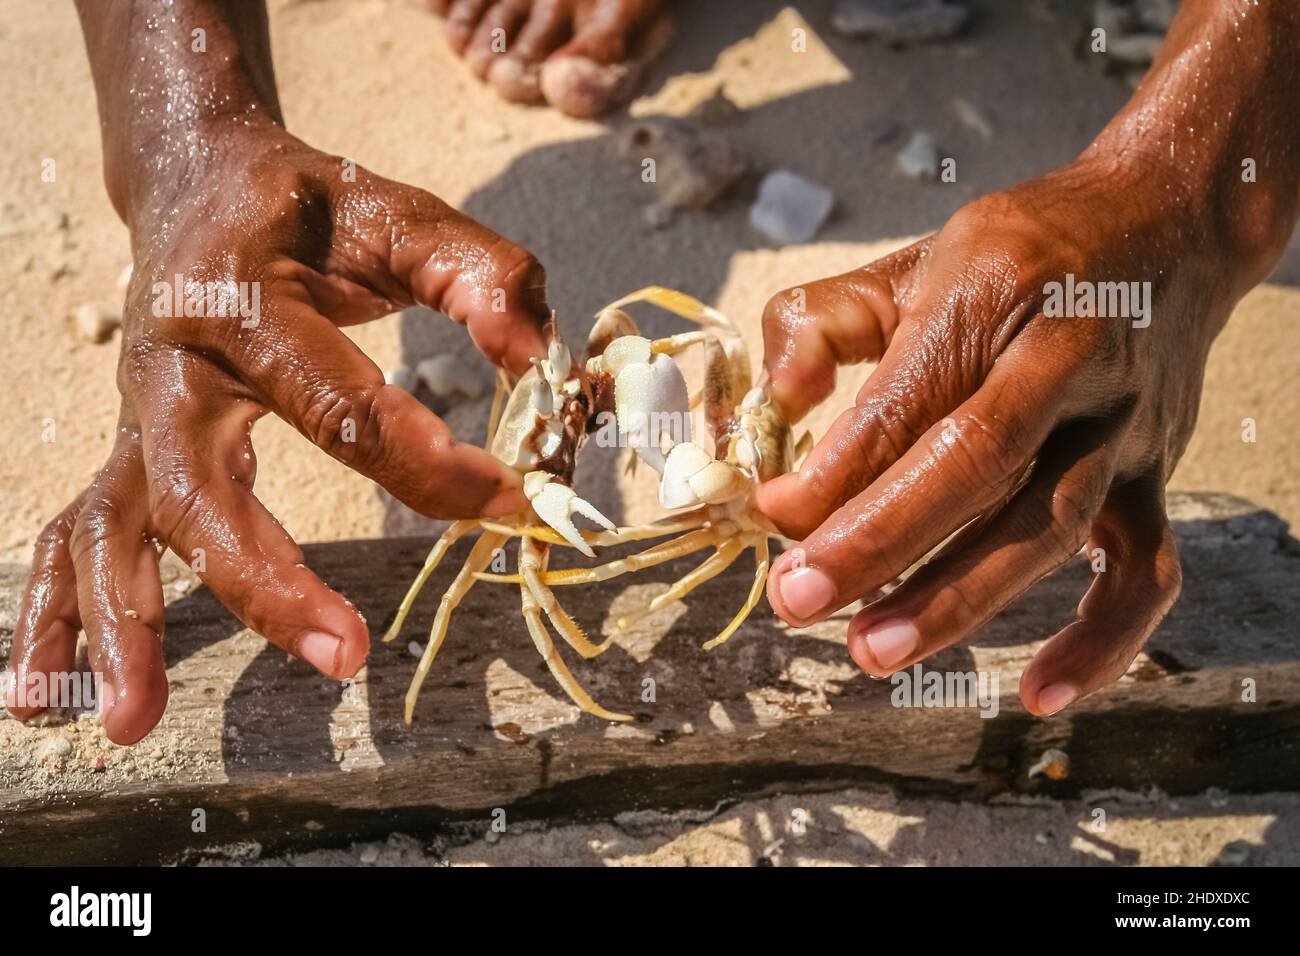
[375,81]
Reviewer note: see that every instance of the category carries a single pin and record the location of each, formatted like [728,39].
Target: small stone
[100,766]
[492,836]
[1040,839]
[717,110]
[919,159]
[1134,49]
[96,323]
[899,21]
[1157,14]
[790,209]
[446,375]
[369,853]
[690,165]
[414,649]
[1115,18]
[1054,764]
[657,216]
[882,131]
[972,118]
[403,378]
[54,749]
[1236,853]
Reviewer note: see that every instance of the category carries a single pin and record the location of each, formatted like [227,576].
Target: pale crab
[541,427]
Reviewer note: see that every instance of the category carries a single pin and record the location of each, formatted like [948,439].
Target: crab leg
[546,647]
[531,571]
[436,554]
[689,521]
[674,344]
[498,405]
[711,567]
[755,592]
[479,556]
[686,544]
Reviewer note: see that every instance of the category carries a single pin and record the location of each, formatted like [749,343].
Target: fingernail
[320,650]
[1056,697]
[805,591]
[892,641]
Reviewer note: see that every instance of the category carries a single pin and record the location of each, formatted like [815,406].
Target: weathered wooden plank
[276,755]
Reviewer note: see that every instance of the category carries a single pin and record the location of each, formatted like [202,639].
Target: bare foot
[581,56]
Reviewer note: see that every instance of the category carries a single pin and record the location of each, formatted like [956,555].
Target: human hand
[311,243]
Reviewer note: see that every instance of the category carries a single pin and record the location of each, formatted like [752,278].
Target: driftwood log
[256,750]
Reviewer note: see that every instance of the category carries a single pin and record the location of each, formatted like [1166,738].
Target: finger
[316,378]
[200,476]
[962,466]
[45,637]
[1124,605]
[988,566]
[811,330]
[493,287]
[119,591]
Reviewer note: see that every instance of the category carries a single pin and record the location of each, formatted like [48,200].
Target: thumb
[810,330]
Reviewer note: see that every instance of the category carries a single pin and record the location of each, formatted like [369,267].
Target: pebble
[369,854]
[445,375]
[1138,49]
[972,118]
[96,323]
[693,165]
[414,649]
[1236,853]
[789,208]
[919,159]
[56,748]
[899,21]
[402,377]
[882,131]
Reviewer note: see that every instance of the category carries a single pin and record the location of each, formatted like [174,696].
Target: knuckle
[990,447]
[347,427]
[178,508]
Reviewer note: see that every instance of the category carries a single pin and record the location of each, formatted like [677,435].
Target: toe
[495,34]
[463,18]
[517,75]
[600,67]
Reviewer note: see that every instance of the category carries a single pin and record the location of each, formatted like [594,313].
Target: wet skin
[213,188]
[1033,436]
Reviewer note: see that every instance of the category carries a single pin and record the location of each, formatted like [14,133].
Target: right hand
[325,244]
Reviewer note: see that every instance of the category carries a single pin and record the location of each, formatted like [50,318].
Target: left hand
[1031,435]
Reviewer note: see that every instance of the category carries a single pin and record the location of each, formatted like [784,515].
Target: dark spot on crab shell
[576,417]
[601,385]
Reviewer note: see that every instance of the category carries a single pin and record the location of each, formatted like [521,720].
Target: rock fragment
[789,208]
[919,159]
[899,21]
[96,323]
[687,164]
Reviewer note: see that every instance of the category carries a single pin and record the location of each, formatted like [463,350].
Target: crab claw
[556,504]
[692,476]
[650,397]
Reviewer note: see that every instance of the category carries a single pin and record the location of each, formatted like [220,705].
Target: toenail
[320,650]
[1056,697]
[892,642]
[805,591]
